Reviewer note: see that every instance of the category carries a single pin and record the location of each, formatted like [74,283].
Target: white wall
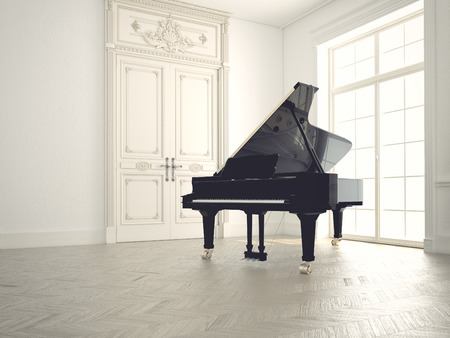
[256,87]
[256,76]
[439,235]
[51,122]
[344,15]
[52,115]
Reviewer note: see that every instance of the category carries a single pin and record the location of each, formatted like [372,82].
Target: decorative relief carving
[195,167]
[168,36]
[136,26]
[142,166]
[203,38]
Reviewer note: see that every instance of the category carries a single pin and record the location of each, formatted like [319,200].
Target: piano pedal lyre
[305,268]
[207,253]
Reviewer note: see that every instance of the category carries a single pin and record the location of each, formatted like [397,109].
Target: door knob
[173,169]
[167,168]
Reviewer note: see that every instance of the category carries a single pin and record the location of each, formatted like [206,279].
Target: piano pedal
[259,256]
[336,241]
[207,253]
[305,268]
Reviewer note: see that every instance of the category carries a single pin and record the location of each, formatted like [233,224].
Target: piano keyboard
[252,201]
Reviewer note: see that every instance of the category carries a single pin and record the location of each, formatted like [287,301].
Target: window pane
[344,75]
[415,226]
[414,30]
[348,221]
[344,106]
[392,193]
[415,192]
[364,49]
[414,53]
[391,38]
[392,60]
[365,101]
[344,56]
[365,163]
[415,159]
[368,194]
[346,166]
[365,222]
[365,132]
[414,124]
[392,224]
[347,130]
[392,128]
[392,161]
[365,69]
[414,90]
[392,95]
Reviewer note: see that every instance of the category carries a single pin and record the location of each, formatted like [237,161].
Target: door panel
[196,109]
[141,120]
[142,199]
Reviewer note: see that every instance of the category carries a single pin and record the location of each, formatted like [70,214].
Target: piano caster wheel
[336,241]
[305,268]
[207,253]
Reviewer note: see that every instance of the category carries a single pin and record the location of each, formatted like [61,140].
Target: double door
[166,133]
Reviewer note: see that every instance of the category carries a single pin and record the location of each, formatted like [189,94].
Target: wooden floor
[164,289]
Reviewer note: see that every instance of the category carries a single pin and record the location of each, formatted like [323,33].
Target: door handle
[167,168]
[173,169]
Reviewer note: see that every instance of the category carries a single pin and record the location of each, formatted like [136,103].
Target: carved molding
[168,36]
[156,52]
[175,6]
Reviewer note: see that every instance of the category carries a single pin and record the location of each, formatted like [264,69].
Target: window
[376,100]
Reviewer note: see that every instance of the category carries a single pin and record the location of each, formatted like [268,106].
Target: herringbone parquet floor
[164,289]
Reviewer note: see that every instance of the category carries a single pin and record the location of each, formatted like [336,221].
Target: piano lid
[279,134]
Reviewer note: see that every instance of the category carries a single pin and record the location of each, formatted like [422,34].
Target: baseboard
[438,245]
[51,239]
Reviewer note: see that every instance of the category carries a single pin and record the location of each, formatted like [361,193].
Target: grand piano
[282,166]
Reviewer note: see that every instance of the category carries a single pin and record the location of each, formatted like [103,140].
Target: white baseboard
[437,245]
[111,236]
[51,239]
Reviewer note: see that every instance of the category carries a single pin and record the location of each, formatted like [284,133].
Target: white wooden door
[166,133]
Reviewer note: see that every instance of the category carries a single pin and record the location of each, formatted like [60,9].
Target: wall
[343,15]
[439,234]
[256,87]
[52,115]
[51,123]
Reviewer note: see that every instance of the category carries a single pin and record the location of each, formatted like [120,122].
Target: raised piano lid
[279,134]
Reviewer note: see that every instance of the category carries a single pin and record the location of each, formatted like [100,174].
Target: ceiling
[274,13]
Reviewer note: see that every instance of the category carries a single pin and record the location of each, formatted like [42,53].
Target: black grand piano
[282,167]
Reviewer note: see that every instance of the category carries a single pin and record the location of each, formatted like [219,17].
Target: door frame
[114,46]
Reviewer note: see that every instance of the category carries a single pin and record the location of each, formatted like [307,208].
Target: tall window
[376,98]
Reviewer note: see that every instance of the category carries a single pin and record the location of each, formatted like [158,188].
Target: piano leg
[208,232]
[249,233]
[308,226]
[261,255]
[261,247]
[338,213]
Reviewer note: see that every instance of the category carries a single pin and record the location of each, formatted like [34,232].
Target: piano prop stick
[282,166]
